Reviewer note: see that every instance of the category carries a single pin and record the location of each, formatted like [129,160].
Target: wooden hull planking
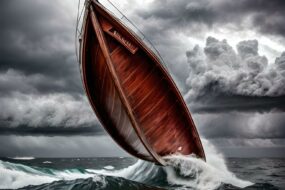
[132,94]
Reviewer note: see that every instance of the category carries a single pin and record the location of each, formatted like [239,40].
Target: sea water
[181,172]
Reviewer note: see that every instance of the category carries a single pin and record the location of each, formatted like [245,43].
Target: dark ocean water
[129,173]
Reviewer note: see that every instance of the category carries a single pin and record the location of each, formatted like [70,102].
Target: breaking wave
[181,172]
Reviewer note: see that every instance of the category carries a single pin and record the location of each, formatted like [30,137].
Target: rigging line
[144,37]
[76,31]
[79,29]
[81,12]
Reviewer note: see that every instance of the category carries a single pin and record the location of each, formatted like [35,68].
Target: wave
[15,176]
[182,172]
[89,184]
[192,172]
[47,162]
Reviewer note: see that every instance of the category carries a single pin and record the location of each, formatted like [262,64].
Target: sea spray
[141,171]
[182,172]
[16,175]
[186,171]
[189,171]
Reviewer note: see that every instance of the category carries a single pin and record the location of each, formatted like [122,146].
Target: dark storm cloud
[50,131]
[265,16]
[242,125]
[58,146]
[218,102]
[37,38]
[174,26]
[222,80]
[12,81]
[180,13]
[239,147]
[41,92]
[40,86]
[256,142]
[47,114]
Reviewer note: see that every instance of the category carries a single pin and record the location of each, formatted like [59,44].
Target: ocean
[182,173]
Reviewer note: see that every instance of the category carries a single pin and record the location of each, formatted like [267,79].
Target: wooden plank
[104,48]
[127,43]
[156,108]
[92,66]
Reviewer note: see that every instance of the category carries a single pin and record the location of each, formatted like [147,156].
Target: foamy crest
[183,172]
[192,172]
[140,171]
[13,176]
[109,167]
[186,172]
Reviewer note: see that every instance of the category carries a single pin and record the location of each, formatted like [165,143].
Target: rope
[77,31]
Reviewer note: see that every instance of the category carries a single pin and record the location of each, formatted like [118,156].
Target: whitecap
[109,167]
[13,176]
[184,171]
[23,158]
[47,162]
[192,172]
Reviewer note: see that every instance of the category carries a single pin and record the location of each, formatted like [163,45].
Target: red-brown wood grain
[132,94]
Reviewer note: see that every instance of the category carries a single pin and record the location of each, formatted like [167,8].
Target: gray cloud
[59,146]
[174,26]
[37,39]
[51,131]
[241,125]
[262,15]
[234,147]
[250,143]
[40,85]
[221,78]
[12,81]
[41,91]
[53,114]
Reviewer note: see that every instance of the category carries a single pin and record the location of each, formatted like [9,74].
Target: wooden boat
[131,92]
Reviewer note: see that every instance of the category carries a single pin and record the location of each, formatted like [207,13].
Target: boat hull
[132,94]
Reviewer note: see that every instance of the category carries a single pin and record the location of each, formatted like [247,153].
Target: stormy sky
[227,58]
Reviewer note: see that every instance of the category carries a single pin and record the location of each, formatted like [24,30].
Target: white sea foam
[191,172]
[47,162]
[13,176]
[186,171]
[23,158]
[109,167]
[140,171]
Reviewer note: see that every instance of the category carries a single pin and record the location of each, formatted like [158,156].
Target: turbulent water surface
[129,173]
